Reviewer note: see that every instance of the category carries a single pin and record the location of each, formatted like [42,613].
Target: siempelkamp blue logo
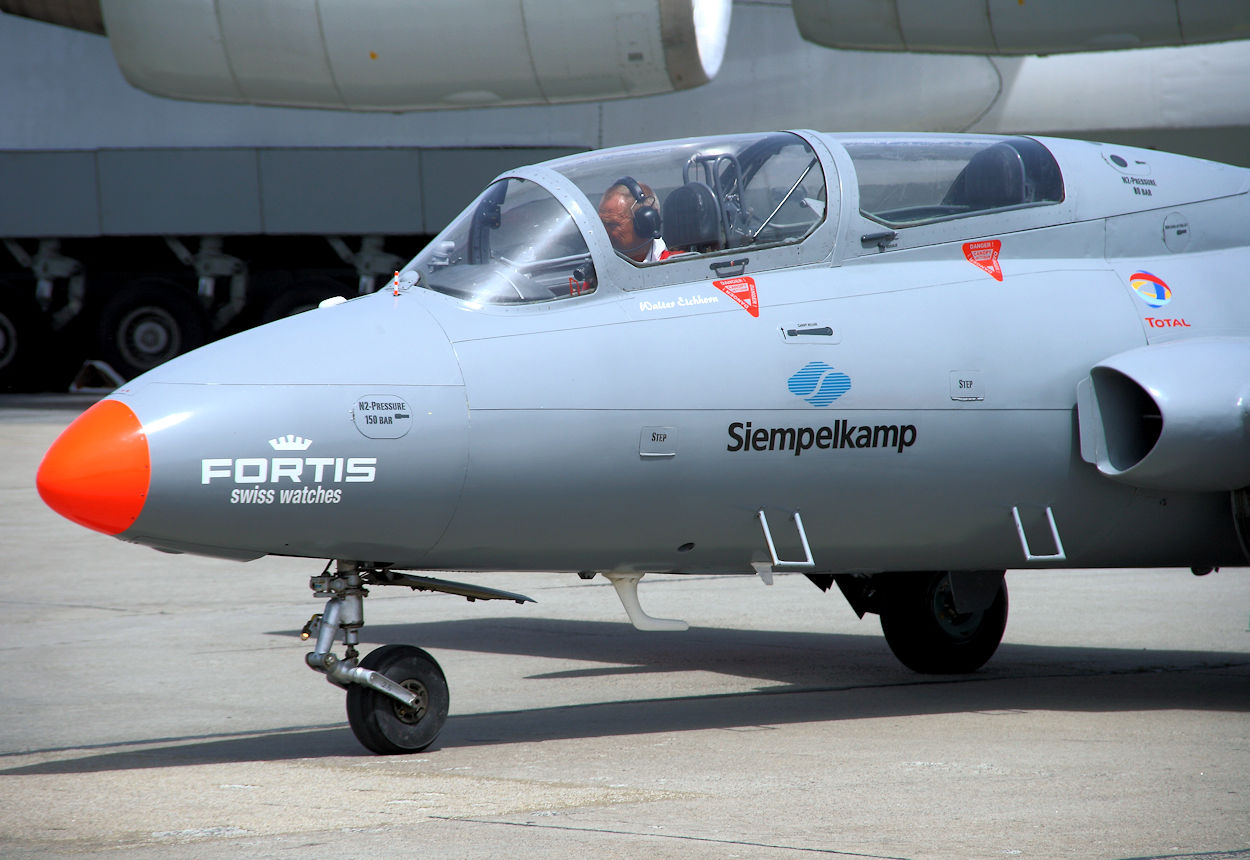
[819,384]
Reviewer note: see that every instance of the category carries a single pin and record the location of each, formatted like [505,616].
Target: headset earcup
[647,222]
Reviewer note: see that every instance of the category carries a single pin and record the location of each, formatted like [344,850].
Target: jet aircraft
[897,363]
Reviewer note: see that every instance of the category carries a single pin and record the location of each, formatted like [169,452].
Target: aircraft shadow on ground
[811,677]
[778,657]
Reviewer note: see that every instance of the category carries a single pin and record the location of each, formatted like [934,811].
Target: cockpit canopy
[715,195]
[518,242]
[908,181]
[515,243]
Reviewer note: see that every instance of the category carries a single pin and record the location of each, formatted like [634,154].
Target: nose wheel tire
[387,726]
[929,635]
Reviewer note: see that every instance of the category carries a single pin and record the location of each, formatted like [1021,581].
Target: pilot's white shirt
[657,248]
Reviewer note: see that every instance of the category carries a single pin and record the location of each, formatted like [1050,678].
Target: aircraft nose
[97,472]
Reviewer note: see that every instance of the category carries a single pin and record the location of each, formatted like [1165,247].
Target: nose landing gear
[397,697]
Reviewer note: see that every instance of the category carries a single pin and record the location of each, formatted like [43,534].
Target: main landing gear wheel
[148,323]
[24,338]
[928,634]
[298,298]
[387,726]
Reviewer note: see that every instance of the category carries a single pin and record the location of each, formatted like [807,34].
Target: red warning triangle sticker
[984,255]
[742,291]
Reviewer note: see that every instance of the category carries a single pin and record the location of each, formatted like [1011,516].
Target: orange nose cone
[96,473]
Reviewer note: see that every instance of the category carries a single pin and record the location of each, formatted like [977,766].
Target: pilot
[628,209]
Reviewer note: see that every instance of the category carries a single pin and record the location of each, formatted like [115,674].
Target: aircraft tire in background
[298,298]
[148,323]
[384,725]
[928,635]
[24,339]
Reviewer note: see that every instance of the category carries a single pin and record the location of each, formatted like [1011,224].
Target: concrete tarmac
[158,706]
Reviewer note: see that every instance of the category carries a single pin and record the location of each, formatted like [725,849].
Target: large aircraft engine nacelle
[403,55]
[1170,416]
[1016,27]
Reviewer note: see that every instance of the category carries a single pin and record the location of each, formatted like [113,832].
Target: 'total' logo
[984,255]
[742,291]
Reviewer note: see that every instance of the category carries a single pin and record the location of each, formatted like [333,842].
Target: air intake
[1172,416]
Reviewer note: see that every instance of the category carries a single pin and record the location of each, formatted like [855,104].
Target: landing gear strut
[397,696]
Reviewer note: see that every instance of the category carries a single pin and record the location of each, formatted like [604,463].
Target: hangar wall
[224,191]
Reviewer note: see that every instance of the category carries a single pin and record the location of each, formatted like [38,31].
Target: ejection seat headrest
[992,179]
[692,218]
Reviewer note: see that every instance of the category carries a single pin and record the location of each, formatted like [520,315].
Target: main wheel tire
[296,299]
[148,323]
[927,634]
[384,725]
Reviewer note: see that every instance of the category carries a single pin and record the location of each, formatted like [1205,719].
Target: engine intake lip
[1132,421]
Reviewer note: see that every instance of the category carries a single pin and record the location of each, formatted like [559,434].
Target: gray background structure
[120,192]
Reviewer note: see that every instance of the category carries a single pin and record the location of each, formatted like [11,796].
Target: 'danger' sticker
[742,291]
[984,255]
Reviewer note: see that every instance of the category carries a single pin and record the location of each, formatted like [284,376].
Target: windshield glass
[698,197]
[905,182]
[515,243]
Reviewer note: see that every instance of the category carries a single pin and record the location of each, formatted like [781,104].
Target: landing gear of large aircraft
[23,333]
[300,297]
[397,696]
[147,323]
[944,622]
